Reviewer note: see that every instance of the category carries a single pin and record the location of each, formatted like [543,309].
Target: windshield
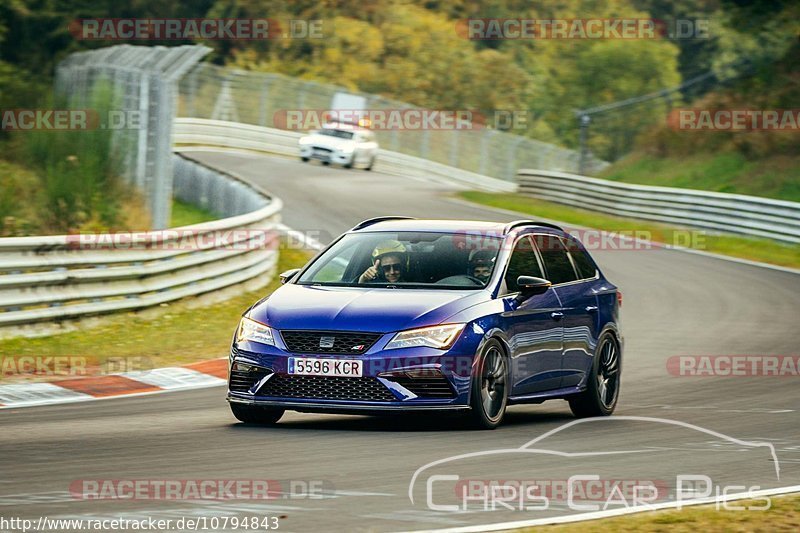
[337,133]
[406,260]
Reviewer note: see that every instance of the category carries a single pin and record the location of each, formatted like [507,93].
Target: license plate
[345,368]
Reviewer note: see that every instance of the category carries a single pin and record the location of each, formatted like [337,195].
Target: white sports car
[344,144]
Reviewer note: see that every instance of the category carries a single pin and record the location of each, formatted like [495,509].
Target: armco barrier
[235,135]
[732,213]
[54,278]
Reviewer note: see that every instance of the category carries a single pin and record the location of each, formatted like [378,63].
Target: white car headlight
[347,149]
[254,331]
[441,337]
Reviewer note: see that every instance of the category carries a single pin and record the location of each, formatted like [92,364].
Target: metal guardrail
[61,277]
[238,136]
[731,213]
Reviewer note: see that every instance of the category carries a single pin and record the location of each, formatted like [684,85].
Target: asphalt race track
[675,303]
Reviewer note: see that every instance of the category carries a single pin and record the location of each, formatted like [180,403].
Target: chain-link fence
[142,81]
[213,92]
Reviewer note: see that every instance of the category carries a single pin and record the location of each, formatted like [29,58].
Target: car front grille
[327,388]
[433,386]
[343,342]
[243,376]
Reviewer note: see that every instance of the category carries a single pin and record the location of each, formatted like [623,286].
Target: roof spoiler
[371,221]
[517,223]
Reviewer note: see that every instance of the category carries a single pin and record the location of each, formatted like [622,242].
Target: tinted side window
[523,262]
[556,261]
[582,259]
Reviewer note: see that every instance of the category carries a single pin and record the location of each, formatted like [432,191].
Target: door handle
[591,308]
[556,316]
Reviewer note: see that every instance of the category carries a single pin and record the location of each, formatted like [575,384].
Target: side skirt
[539,397]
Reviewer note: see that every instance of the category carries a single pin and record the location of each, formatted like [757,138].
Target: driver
[389,263]
[481,263]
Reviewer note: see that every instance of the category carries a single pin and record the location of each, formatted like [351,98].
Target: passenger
[481,264]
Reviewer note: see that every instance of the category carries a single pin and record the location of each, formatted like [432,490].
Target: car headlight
[254,331]
[347,149]
[441,337]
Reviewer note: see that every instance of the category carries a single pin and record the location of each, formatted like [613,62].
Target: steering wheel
[459,280]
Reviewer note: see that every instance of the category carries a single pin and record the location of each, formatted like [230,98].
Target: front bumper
[325,154]
[394,380]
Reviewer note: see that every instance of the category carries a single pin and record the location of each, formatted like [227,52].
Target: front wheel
[256,415]
[602,389]
[489,387]
[304,159]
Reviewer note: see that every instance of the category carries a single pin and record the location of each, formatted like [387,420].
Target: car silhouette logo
[326,342]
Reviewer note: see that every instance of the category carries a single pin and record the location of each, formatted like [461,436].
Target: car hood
[327,141]
[361,308]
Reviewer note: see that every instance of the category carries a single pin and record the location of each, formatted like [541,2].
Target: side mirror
[289,274]
[531,286]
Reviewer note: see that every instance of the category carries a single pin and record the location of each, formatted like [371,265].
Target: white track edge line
[115,397]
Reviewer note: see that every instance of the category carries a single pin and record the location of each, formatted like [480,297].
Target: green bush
[79,171]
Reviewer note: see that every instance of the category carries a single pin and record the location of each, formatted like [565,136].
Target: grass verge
[185,334]
[184,214]
[747,248]
[777,176]
[783,515]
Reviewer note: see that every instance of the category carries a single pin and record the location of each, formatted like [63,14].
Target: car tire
[602,388]
[489,392]
[304,159]
[256,415]
[326,163]
[371,162]
[348,165]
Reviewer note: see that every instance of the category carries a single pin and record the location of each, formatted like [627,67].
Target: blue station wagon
[403,315]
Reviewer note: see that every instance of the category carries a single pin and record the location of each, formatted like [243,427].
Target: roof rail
[516,223]
[371,221]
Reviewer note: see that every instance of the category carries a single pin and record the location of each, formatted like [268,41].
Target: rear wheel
[371,162]
[489,387]
[602,388]
[304,159]
[256,415]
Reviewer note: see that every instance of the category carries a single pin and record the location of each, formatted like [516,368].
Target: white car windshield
[342,134]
